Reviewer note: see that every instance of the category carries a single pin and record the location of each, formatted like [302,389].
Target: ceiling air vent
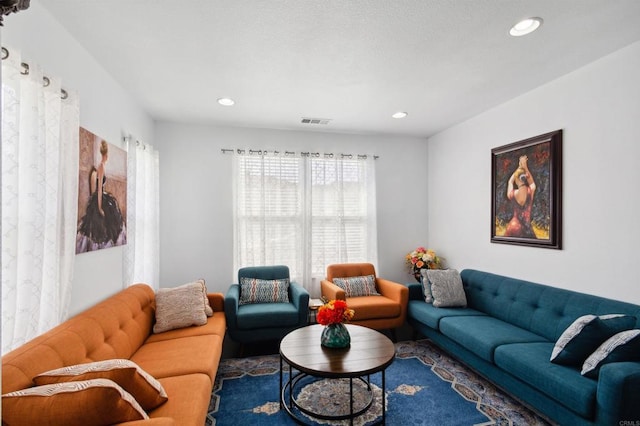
[309,120]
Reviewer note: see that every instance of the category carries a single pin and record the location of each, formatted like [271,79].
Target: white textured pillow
[127,374]
[207,306]
[447,289]
[180,307]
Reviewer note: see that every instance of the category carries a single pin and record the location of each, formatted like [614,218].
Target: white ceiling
[352,61]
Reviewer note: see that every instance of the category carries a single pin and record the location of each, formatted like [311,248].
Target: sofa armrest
[396,292]
[617,395]
[158,421]
[216,300]
[300,299]
[330,291]
[416,292]
[393,290]
[231,302]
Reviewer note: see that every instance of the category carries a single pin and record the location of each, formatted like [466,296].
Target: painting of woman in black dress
[103,223]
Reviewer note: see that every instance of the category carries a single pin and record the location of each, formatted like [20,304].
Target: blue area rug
[423,386]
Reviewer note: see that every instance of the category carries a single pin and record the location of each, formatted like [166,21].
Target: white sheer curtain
[141,253]
[304,212]
[39,200]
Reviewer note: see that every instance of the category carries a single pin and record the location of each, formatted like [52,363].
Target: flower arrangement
[422,258]
[334,312]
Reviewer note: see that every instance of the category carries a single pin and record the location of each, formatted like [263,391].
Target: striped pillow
[358,286]
[254,290]
[127,374]
[624,346]
[90,402]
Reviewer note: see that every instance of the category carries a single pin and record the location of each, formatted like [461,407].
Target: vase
[335,336]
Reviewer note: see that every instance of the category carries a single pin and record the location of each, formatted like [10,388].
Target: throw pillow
[255,290]
[127,374]
[447,289]
[584,336]
[179,307]
[426,285]
[624,346]
[90,402]
[207,306]
[357,286]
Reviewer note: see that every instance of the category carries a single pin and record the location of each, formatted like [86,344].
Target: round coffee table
[370,352]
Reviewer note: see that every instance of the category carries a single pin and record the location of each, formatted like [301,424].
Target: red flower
[334,312]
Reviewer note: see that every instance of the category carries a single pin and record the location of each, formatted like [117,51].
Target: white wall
[106,109]
[196,199]
[598,108]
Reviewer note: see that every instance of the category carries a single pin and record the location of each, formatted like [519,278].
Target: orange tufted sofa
[386,312]
[184,361]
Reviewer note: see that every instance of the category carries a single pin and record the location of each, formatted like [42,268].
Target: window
[304,212]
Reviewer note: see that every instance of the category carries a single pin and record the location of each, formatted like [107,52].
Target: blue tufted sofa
[507,333]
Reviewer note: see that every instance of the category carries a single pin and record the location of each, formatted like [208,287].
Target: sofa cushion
[482,334]
[357,286]
[446,288]
[141,385]
[90,402]
[261,315]
[255,290]
[584,336]
[189,401]
[216,324]
[431,316]
[529,362]
[374,307]
[186,355]
[624,346]
[180,307]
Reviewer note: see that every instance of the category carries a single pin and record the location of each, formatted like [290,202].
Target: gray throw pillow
[446,287]
[426,285]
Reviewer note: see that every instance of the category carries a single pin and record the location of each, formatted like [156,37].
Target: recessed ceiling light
[226,101]
[400,114]
[525,27]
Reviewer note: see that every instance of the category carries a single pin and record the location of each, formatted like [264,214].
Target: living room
[432,190]
[449,210]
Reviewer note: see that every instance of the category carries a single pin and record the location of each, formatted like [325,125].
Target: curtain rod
[293,153]
[25,71]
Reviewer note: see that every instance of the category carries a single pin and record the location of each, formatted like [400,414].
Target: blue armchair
[260,320]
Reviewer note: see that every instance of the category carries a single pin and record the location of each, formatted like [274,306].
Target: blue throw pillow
[584,336]
[624,346]
[254,290]
[358,286]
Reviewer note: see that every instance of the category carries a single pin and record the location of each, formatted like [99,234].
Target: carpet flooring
[424,386]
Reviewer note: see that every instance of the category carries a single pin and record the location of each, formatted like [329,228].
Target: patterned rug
[423,386]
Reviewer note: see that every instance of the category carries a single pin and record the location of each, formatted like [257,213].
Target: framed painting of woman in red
[526,192]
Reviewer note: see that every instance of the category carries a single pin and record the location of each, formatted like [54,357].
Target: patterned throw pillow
[584,336]
[426,285]
[179,307]
[90,402]
[358,286]
[127,374]
[447,289]
[255,290]
[624,346]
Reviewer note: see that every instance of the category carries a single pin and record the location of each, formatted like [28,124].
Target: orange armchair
[387,311]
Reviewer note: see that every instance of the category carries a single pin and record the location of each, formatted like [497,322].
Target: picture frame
[526,192]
